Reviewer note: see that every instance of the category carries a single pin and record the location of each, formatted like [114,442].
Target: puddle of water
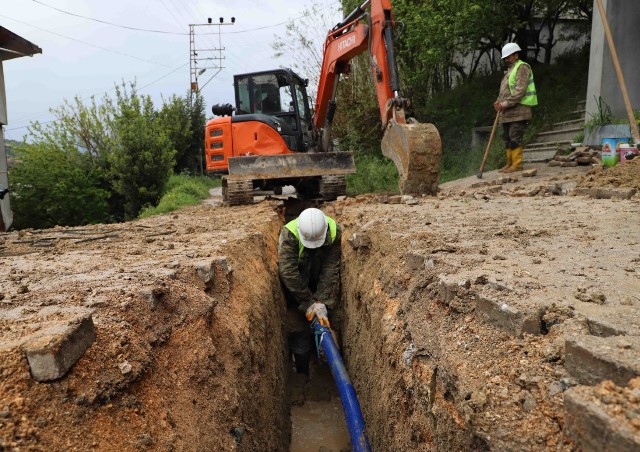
[316,425]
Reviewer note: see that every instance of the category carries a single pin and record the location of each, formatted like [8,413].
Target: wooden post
[616,63]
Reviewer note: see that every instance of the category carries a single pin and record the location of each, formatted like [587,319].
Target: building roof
[14,46]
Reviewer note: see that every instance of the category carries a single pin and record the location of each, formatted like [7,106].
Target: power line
[161,31]
[110,23]
[85,43]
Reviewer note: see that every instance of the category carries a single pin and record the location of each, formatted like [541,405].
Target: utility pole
[203,59]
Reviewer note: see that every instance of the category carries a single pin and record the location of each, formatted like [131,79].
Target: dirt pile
[626,174]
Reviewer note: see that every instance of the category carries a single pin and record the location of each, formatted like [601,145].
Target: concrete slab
[592,359]
[509,317]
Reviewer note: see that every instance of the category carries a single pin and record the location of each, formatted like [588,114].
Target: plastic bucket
[610,150]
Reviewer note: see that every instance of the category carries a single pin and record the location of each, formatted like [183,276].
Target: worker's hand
[318,310]
[497,106]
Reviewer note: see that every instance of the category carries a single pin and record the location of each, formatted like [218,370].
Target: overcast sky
[88,55]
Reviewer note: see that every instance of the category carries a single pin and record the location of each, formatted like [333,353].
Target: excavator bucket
[415,149]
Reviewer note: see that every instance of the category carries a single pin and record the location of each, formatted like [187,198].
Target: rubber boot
[516,160]
[508,165]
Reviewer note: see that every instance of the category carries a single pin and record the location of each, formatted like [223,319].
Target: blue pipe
[350,405]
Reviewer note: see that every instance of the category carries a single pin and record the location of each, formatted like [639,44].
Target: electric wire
[85,43]
[109,23]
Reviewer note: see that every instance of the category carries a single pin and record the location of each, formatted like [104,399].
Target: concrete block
[454,292]
[222,264]
[609,193]
[205,271]
[604,328]
[592,359]
[51,355]
[592,429]
[515,321]
[359,240]
[418,260]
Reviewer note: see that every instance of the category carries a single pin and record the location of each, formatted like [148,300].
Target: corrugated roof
[14,46]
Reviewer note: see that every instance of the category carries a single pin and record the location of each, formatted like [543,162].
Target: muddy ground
[189,350]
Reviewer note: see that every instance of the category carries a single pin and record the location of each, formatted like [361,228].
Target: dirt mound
[626,174]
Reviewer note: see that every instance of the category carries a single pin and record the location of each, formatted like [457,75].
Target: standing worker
[517,96]
[309,253]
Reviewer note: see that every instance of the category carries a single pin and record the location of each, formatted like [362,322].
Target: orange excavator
[271,138]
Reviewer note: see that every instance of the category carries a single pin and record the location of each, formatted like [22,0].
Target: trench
[213,371]
[244,370]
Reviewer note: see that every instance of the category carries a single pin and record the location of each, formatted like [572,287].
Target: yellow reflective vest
[530,97]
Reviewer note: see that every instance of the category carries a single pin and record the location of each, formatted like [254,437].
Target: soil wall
[189,351]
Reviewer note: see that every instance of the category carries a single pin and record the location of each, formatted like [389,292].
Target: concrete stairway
[546,144]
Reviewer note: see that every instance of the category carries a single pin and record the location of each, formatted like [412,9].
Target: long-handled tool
[486,151]
[616,64]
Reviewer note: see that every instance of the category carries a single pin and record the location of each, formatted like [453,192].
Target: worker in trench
[309,253]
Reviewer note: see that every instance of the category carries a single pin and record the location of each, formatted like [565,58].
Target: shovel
[486,151]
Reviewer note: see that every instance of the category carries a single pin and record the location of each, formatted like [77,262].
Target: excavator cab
[281,94]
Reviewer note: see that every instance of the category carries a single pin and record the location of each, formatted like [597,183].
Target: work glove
[318,310]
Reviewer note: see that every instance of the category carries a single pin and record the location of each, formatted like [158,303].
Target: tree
[143,156]
[51,187]
[303,41]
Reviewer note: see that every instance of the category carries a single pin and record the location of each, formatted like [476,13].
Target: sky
[89,46]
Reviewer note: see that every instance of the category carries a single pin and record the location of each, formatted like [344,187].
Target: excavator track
[236,192]
[333,186]
[415,149]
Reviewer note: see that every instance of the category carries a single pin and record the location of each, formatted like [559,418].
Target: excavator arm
[414,148]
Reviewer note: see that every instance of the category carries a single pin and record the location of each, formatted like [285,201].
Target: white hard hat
[312,228]
[509,49]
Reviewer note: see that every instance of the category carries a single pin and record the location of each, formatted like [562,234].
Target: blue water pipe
[350,405]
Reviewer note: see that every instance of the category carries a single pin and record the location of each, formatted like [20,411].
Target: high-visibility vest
[293,227]
[530,97]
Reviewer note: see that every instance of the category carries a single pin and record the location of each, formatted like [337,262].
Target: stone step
[539,155]
[567,125]
[560,135]
[579,113]
[548,145]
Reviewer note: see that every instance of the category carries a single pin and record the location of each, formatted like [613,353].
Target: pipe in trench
[350,404]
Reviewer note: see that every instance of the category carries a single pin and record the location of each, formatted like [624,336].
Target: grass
[374,175]
[181,191]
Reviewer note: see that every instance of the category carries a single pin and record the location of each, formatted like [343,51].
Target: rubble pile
[581,156]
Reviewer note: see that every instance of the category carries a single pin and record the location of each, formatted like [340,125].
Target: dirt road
[472,320]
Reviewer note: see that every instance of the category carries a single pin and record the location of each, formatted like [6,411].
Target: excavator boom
[415,148]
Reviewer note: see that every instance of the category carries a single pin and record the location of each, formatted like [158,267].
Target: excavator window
[270,96]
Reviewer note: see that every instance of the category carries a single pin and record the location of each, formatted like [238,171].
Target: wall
[623,17]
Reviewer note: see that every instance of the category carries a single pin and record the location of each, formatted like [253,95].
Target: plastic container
[611,150]
[628,153]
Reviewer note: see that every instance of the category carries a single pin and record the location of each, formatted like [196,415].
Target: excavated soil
[188,313]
